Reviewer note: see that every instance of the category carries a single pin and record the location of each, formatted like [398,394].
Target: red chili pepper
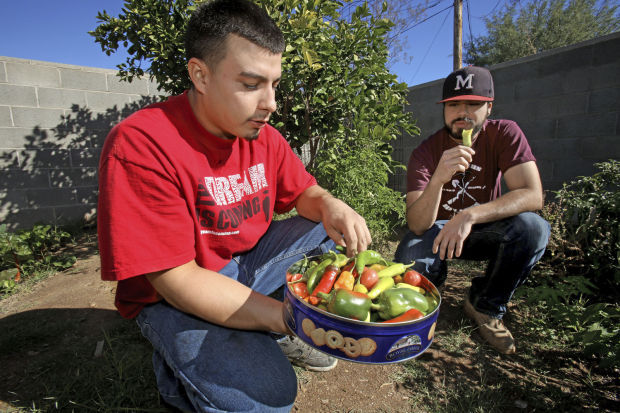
[351,268]
[411,314]
[326,283]
[300,289]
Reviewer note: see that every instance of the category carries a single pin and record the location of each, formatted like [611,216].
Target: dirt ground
[80,296]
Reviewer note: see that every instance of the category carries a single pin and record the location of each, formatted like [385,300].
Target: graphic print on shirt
[224,202]
[461,185]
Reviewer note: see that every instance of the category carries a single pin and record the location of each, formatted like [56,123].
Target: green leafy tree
[339,106]
[540,25]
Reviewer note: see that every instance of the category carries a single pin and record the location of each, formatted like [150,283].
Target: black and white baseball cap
[469,83]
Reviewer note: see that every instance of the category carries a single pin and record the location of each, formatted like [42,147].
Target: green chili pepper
[341,260]
[396,301]
[381,285]
[348,304]
[316,271]
[393,270]
[367,257]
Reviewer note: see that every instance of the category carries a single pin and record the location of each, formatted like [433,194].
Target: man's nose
[268,100]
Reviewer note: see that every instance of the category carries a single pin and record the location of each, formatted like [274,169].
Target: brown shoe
[491,329]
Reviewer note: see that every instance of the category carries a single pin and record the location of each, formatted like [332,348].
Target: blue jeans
[512,246]
[205,367]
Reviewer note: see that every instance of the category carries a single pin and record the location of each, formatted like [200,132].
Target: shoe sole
[314,368]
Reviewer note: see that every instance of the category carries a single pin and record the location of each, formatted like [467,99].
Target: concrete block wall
[53,121]
[566,100]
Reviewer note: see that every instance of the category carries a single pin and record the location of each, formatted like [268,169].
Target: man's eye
[249,86]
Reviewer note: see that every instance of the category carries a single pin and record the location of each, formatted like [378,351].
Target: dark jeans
[512,246]
[205,367]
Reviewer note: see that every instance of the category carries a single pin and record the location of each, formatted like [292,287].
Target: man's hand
[345,226]
[453,160]
[342,224]
[449,241]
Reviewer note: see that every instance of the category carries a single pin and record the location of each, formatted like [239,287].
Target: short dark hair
[212,22]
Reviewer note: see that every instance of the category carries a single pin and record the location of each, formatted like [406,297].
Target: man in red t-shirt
[455,208]
[188,188]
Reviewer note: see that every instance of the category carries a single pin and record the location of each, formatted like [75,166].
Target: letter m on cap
[466,83]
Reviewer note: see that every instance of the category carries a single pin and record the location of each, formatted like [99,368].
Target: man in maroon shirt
[455,208]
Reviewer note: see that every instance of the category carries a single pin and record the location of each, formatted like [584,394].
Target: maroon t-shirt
[500,146]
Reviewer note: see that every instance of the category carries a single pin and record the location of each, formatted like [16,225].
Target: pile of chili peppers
[333,282]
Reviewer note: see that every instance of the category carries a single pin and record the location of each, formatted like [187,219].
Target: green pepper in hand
[347,303]
[367,257]
[396,301]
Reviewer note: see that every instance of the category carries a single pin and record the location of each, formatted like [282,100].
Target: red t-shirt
[170,192]
[500,145]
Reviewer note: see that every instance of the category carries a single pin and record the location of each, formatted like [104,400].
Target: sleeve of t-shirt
[420,168]
[293,178]
[144,223]
[514,148]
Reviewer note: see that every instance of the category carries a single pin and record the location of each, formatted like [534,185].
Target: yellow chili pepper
[346,281]
[467,137]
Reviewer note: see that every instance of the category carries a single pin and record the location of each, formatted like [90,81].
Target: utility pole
[458,34]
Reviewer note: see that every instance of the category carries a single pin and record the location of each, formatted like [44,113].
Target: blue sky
[56,31]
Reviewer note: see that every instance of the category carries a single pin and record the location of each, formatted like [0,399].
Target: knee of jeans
[533,230]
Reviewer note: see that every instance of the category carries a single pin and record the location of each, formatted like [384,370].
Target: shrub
[29,252]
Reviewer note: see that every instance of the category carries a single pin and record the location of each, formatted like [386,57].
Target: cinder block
[563,105]
[18,95]
[605,100]
[60,98]
[153,89]
[73,177]
[5,119]
[567,170]
[16,138]
[577,80]
[600,148]
[135,87]
[596,124]
[102,101]
[536,88]
[605,76]
[23,217]
[31,117]
[550,149]
[85,157]
[537,129]
[23,179]
[33,159]
[3,72]
[87,195]
[51,197]
[579,57]
[32,74]
[9,158]
[606,52]
[75,214]
[83,80]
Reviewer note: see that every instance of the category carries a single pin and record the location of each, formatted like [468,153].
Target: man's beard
[459,134]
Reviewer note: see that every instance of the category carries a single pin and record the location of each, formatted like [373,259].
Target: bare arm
[218,299]
[343,225]
[422,206]
[525,194]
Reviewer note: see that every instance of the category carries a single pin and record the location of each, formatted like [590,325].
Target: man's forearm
[422,213]
[508,205]
[218,299]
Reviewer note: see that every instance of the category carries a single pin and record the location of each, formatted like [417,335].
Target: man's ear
[490,105]
[198,73]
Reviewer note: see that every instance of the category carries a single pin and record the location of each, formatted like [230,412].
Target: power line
[429,47]
[428,18]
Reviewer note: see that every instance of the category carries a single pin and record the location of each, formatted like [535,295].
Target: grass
[545,375]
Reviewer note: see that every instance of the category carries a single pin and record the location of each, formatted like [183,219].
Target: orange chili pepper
[345,281]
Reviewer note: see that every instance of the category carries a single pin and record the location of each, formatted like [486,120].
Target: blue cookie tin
[360,341]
